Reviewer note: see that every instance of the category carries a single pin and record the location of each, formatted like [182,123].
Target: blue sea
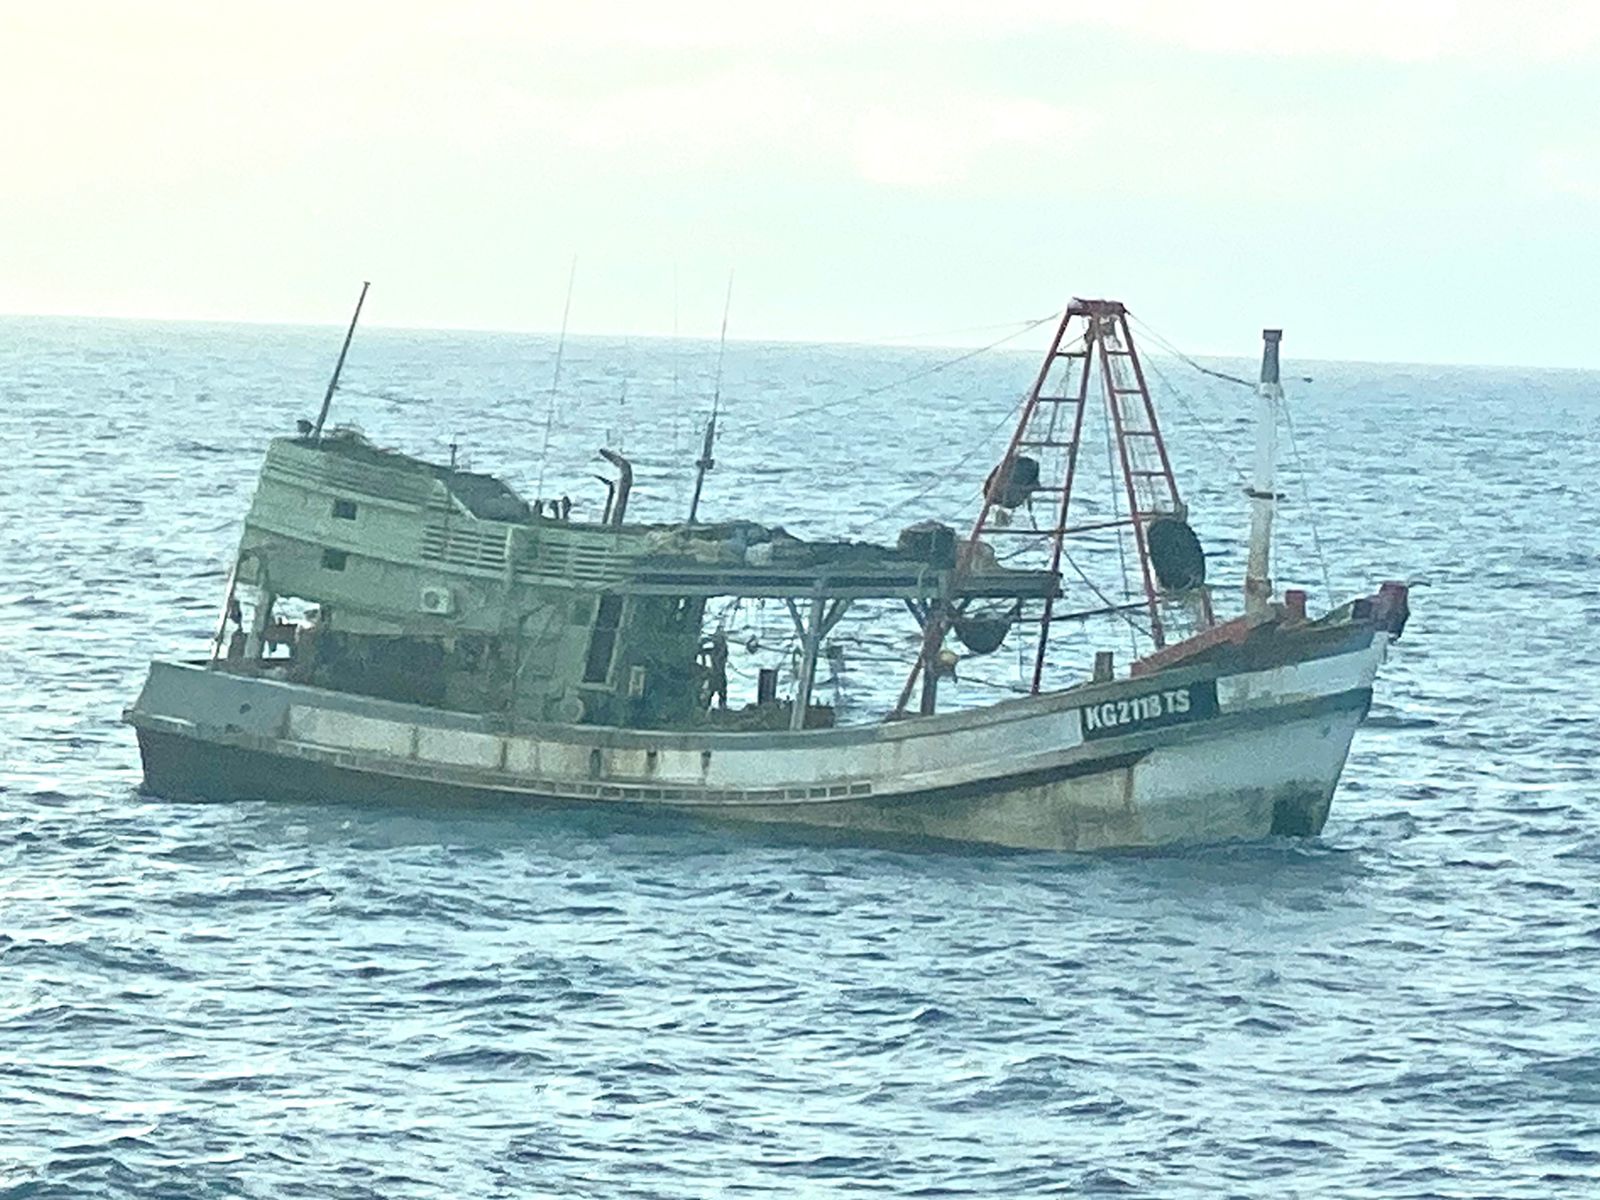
[334,1001]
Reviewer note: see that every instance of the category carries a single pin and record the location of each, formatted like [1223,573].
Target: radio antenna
[555,381]
[706,462]
[338,367]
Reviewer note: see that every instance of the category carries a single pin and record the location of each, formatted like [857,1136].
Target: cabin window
[334,560]
[345,510]
[603,641]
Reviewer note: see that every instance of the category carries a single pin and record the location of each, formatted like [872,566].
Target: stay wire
[828,405]
[977,448]
[1311,513]
[1116,511]
[1294,446]
[1017,330]
[1179,354]
[1103,598]
[390,396]
[1199,422]
[937,333]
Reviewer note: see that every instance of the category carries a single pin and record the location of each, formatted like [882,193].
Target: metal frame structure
[1092,338]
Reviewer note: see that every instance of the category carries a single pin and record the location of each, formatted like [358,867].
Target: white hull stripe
[1064,764]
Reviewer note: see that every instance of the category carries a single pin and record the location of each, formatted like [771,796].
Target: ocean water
[327,1001]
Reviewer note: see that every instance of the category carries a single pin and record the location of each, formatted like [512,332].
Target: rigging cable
[912,337]
[915,375]
[1311,516]
[391,396]
[1017,330]
[1199,423]
[946,472]
[977,447]
[1116,511]
[1101,596]
[1288,420]
[1179,354]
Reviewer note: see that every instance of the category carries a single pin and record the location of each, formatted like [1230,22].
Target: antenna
[705,461]
[621,436]
[338,367]
[677,354]
[555,381]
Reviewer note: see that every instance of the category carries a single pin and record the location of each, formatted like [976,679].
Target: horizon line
[911,343]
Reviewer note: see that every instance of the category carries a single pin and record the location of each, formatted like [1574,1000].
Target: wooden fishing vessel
[467,646]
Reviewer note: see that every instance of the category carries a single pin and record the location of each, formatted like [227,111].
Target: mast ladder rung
[1092,337]
[1091,526]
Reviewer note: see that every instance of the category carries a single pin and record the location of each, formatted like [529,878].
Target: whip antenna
[555,381]
[338,367]
[706,462]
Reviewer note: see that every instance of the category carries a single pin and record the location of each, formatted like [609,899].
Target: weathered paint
[1017,774]
[392,551]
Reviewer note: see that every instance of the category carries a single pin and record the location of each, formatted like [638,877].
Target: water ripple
[339,1002]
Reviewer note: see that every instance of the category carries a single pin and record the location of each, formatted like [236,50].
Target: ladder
[1091,341]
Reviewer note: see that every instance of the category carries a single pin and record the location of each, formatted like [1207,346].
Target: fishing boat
[459,644]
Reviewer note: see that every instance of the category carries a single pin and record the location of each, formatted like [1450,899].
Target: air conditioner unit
[440,601]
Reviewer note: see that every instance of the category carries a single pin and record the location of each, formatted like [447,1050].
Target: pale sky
[1414,181]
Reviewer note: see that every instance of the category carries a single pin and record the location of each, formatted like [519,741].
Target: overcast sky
[1403,180]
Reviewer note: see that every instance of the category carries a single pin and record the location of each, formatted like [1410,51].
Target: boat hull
[1274,781]
[1246,747]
